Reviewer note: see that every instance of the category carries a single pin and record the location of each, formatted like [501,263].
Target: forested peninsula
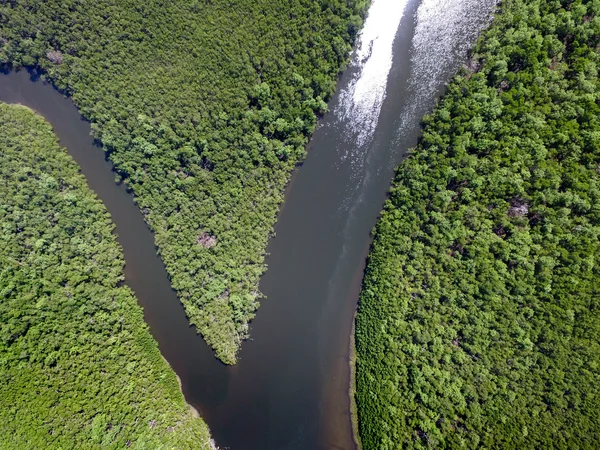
[78,366]
[204,108]
[479,319]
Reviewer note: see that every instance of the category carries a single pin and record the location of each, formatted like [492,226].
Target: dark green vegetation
[205,107]
[479,320]
[78,367]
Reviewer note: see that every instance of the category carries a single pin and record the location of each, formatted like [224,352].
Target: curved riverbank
[205,110]
[478,322]
[79,368]
[352,387]
[144,272]
[289,389]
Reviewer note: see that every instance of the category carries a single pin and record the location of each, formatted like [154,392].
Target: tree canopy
[205,108]
[78,366]
[479,319]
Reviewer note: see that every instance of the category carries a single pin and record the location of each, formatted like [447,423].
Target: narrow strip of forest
[78,366]
[205,109]
[479,319]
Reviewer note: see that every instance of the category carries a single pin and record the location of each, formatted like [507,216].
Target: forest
[479,319]
[78,366]
[205,108]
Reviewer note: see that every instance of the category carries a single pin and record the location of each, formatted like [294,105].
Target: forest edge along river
[289,389]
[144,271]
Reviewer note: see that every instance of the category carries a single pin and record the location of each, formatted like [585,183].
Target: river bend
[289,390]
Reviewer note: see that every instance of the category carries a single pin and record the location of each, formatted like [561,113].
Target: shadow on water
[289,390]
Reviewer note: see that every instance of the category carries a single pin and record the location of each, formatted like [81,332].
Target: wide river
[289,390]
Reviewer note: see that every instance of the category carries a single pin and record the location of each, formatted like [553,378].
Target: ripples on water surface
[407,52]
[360,101]
[444,33]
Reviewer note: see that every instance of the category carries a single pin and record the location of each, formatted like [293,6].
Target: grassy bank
[78,366]
[478,323]
[352,388]
[204,108]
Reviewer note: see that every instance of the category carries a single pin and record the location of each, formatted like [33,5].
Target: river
[289,390]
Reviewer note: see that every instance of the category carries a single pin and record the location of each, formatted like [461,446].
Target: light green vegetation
[479,320]
[205,108]
[78,367]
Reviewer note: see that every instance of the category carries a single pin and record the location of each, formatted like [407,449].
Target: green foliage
[78,367]
[205,108]
[479,320]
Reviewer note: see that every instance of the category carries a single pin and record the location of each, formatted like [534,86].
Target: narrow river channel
[289,390]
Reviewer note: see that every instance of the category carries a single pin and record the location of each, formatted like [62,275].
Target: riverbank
[352,387]
[144,272]
[210,442]
[204,113]
[79,363]
[477,324]
[193,410]
[274,397]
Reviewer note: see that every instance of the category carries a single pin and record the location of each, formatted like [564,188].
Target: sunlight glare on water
[445,31]
[360,102]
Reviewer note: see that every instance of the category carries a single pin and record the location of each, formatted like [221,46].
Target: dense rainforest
[204,107]
[78,366]
[479,319]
